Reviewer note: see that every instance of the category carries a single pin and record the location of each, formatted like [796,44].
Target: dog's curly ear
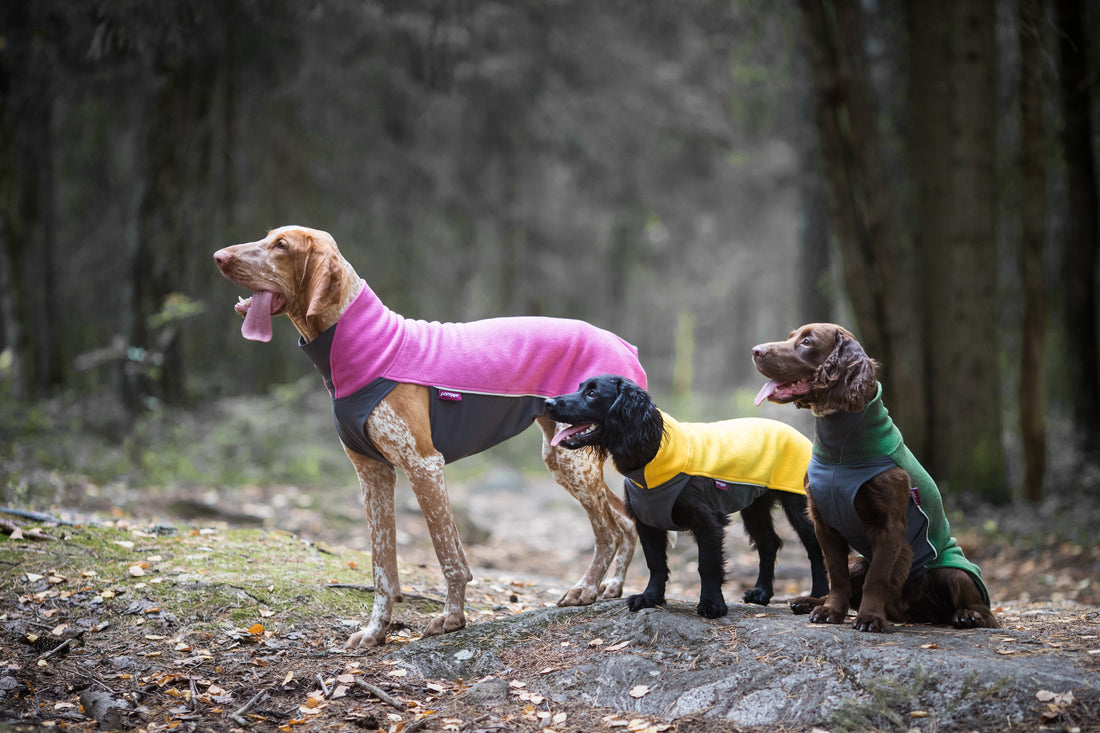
[633,427]
[846,378]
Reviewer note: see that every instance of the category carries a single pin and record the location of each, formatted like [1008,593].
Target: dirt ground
[234,649]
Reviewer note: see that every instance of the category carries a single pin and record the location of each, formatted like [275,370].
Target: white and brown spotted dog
[417,395]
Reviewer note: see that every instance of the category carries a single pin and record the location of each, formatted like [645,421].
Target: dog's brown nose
[221,257]
[759,350]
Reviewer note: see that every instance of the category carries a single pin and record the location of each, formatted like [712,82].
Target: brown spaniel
[868,492]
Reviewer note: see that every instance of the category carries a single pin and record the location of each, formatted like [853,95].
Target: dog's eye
[280,244]
[806,342]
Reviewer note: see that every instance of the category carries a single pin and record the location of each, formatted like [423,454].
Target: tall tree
[877,257]
[957,197]
[1078,275]
[1030,22]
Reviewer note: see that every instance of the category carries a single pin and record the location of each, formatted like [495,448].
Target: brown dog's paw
[445,623]
[824,614]
[873,622]
[973,618]
[804,604]
[578,596]
[611,589]
[365,638]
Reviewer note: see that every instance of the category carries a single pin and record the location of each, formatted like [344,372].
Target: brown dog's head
[820,366]
[294,271]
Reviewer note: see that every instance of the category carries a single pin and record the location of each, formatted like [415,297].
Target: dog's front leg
[401,429]
[655,547]
[833,608]
[376,481]
[881,504]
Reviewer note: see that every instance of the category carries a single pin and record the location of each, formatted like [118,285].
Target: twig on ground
[324,687]
[370,589]
[237,716]
[383,696]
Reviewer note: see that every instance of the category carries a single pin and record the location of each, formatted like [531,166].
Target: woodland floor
[175,609]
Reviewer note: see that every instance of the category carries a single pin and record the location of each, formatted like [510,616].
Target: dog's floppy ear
[633,427]
[846,377]
[317,271]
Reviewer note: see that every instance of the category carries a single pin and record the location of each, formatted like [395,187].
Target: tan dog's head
[820,366]
[293,271]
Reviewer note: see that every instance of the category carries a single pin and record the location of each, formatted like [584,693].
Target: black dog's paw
[759,596]
[712,607]
[640,600]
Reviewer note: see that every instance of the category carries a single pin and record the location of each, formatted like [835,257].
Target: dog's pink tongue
[257,321]
[566,432]
[766,391]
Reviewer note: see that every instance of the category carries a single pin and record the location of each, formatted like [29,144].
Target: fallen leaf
[559,718]
[918,714]
[930,646]
[32,577]
[264,613]
[288,678]
[639,691]
[136,571]
[16,534]
[617,647]
[596,642]
[256,629]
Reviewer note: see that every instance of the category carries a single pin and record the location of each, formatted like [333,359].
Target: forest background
[697,176]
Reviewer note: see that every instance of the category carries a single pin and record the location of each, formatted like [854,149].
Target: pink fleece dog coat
[488,378]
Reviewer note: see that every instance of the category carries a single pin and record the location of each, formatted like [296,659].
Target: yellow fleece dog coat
[744,457]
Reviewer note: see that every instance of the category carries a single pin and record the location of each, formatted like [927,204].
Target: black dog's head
[614,416]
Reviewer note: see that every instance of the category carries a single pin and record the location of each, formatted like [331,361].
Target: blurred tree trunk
[174,154]
[878,262]
[26,198]
[815,291]
[1078,276]
[1033,220]
[956,144]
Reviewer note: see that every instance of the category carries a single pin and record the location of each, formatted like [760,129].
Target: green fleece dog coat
[850,448]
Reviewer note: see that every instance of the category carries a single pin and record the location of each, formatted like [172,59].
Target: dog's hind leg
[581,474]
[376,482]
[794,506]
[757,518]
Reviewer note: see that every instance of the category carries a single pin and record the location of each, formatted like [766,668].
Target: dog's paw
[872,622]
[611,589]
[804,604]
[972,618]
[823,614]
[712,607]
[759,596]
[365,638]
[444,624]
[578,596]
[639,601]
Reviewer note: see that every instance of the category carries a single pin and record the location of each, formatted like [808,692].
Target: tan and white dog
[417,395]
